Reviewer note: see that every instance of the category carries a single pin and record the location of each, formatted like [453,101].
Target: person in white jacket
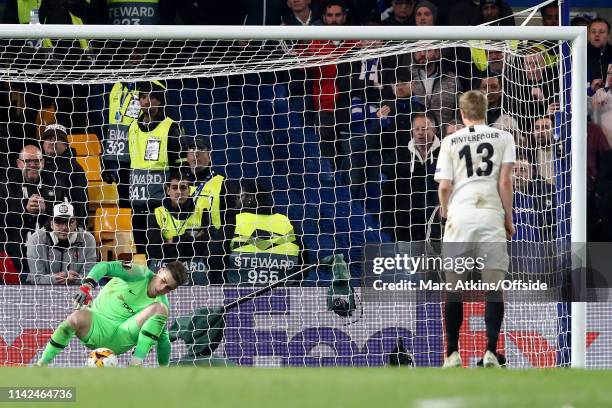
[600,106]
[61,254]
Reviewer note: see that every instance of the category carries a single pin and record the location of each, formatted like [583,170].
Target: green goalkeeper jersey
[126,293]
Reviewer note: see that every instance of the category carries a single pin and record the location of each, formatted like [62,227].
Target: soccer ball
[102,357]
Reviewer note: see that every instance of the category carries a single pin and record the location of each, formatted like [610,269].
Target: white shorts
[477,233]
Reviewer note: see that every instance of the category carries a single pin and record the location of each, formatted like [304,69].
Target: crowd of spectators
[380,121]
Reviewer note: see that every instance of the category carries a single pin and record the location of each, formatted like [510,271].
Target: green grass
[318,387]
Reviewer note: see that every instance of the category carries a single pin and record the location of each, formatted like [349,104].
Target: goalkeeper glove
[83,297]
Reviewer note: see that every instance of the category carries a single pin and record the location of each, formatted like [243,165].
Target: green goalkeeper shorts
[105,332]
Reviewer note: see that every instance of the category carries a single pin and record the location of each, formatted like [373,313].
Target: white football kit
[471,158]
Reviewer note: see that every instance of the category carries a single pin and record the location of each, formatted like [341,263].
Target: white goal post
[576,37]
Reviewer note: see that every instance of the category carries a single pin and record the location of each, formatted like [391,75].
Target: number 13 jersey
[471,158]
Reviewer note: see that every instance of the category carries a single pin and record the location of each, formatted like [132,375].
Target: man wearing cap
[26,203]
[60,254]
[62,167]
[154,148]
[200,172]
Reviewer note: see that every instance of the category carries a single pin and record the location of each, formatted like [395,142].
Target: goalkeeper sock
[149,334]
[453,317]
[59,340]
[494,316]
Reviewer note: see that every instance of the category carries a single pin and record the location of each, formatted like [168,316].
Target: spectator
[178,230]
[472,12]
[452,126]
[370,83]
[550,14]
[61,253]
[123,109]
[154,146]
[409,196]
[402,13]
[600,106]
[600,226]
[476,62]
[393,123]
[599,52]
[544,149]
[200,172]
[335,12]
[491,12]
[17,127]
[62,167]
[26,202]
[495,62]
[330,101]
[425,13]
[581,20]
[533,205]
[535,89]
[508,124]
[597,145]
[599,194]
[491,88]
[198,159]
[301,13]
[433,86]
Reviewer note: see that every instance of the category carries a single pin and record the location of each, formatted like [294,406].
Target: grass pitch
[317,387]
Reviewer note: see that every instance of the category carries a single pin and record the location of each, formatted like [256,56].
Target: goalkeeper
[130,310]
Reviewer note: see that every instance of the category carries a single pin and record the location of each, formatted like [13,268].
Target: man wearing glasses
[26,203]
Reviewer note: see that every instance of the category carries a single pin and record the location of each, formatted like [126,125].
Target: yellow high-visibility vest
[210,198]
[170,226]
[119,99]
[282,240]
[24,7]
[138,141]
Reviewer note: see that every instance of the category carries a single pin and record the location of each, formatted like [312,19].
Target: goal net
[338,137]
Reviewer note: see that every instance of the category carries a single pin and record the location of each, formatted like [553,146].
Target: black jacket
[392,21]
[291,20]
[357,78]
[410,195]
[16,224]
[524,105]
[66,171]
[597,61]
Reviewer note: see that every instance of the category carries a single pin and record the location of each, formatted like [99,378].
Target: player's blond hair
[473,105]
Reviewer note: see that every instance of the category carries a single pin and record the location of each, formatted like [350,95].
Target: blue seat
[257,132]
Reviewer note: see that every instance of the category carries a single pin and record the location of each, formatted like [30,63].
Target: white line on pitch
[456,402]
